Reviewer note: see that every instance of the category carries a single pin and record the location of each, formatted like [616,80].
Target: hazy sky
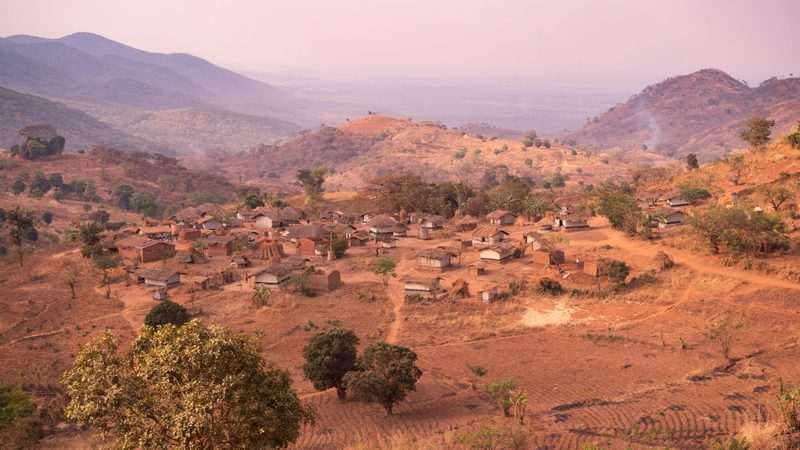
[610,40]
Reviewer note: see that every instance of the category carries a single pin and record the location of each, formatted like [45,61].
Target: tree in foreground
[691,161]
[757,131]
[386,374]
[329,355]
[501,389]
[186,387]
[20,425]
[166,312]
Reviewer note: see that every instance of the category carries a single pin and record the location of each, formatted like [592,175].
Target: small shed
[672,218]
[467,223]
[209,223]
[240,262]
[489,293]
[188,234]
[419,285]
[160,294]
[381,224]
[546,257]
[477,269]
[324,279]
[220,245]
[399,230]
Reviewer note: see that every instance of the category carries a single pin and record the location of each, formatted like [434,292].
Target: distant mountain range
[130,88]
[698,113]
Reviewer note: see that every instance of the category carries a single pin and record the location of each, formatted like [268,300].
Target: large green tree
[329,355]
[386,374]
[21,225]
[188,387]
[166,312]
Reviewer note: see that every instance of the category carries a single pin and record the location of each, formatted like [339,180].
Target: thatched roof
[381,221]
[487,231]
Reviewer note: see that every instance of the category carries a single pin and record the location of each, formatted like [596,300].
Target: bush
[167,312]
[460,154]
[693,194]
[339,247]
[550,286]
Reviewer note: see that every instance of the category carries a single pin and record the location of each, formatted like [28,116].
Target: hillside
[697,113]
[81,130]
[377,145]
[124,86]
[208,128]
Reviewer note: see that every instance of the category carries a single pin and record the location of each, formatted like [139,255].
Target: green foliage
[386,374]
[693,194]
[692,162]
[14,404]
[47,217]
[143,203]
[122,196]
[300,285]
[40,182]
[736,227]
[529,138]
[460,153]
[618,204]
[166,312]
[550,286]
[18,187]
[725,331]
[385,268]
[89,234]
[617,271]
[339,247]
[20,223]
[757,131]
[329,355]
[500,390]
[186,387]
[794,138]
[252,201]
[311,181]
[100,216]
[491,436]
[546,144]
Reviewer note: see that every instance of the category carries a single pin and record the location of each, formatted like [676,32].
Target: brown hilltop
[378,145]
[697,113]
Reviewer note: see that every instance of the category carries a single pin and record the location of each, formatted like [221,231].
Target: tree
[260,295]
[47,217]
[18,187]
[794,138]
[386,374]
[122,196]
[777,194]
[621,208]
[73,273]
[89,234]
[385,268]
[757,131]
[253,201]
[476,373]
[725,331]
[500,390]
[166,312]
[741,231]
[143,203]
[56,180]
[529,138]
[693,194]
[311,181]
[617,272]
[187,387]
[105,263]
[100,216]
[329,355]
[737,166]
[14,404]
[339,247]
[546,143]
[20,424]
[692,162]
[21,224]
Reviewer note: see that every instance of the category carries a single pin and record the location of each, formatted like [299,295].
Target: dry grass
[762,436]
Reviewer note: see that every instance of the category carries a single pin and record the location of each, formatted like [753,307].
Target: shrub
[167,312]
[460,154]
[550,286]
[47,217]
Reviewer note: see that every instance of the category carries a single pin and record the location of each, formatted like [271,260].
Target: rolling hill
[80,129]
[697,113]
[378,145]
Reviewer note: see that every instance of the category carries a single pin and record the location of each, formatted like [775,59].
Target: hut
[209,223]
[433,259]
[273,276]
[572,223]
[240,262]
[358,238]
[420,285]
[160,294]
[380,224]
[143,249]
[477,269]
[220,245]
[499,252]
[489,293]
[188,234]
[671,218]
[158,277]
[545,257]
[324,280]
[501,217]
[488,235]
[399,230]
[433,222]
[467,223]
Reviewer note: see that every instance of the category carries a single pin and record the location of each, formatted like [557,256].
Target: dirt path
[395,291]
[696,262]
